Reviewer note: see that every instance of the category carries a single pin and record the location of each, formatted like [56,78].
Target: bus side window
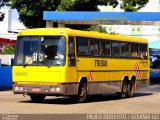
[116,49]
[71,52]
[105,48]
[143,51]
[97,48]
[125,49]
[82,46]
[134,50]
[92,47]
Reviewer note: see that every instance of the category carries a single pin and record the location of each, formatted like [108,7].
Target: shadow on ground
[90,99]
[5,88]
[154,81]
[154,87]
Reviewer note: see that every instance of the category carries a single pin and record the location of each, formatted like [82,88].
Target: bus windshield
[40,50]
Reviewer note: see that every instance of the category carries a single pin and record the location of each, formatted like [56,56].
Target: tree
[4,3]
[9,49]
[133,5]
[31,11]
[97,28]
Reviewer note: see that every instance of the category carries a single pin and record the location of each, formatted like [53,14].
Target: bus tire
[82,93]
[123,93]
[130,89]
[37,98]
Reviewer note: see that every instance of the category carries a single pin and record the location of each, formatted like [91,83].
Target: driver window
[71,51]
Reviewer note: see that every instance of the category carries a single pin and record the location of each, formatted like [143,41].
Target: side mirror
[71,60]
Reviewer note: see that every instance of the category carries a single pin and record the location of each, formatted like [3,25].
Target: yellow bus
[74,63]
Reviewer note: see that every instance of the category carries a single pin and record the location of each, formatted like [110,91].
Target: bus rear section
[112,65]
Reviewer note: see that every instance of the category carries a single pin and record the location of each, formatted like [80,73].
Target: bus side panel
[108,77]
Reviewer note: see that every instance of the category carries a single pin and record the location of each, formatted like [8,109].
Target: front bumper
[44,89]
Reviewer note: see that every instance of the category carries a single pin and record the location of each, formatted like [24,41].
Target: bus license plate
[35,89]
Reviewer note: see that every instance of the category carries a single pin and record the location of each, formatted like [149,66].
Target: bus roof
[72,32]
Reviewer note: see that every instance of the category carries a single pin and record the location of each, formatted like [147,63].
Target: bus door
[71,60]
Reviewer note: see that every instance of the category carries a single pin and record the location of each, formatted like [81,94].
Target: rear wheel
[37,98]
[123,93]
[130,89]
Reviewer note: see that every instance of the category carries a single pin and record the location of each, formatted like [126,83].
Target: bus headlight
[55,89]
[58,89]
[16,88]
[20,89]
[25,90]
[52,89]
[47,90]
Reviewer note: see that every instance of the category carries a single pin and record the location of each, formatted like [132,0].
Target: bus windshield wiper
[45,63]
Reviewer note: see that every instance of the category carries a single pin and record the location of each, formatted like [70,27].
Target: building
[9,28]
[150,32]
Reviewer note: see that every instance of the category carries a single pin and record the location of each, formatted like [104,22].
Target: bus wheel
[82,92]
[130,89]
[37,98]
[123,92]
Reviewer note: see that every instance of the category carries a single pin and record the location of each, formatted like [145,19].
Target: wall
[6,72]
[6,59]
[5,77]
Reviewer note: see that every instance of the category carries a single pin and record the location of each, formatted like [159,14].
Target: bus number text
[101,63]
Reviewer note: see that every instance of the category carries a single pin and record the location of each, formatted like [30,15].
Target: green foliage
[133,5]
[65,5]
[97,28]
[9,49]
[5,3]
[90,5]
[31,11]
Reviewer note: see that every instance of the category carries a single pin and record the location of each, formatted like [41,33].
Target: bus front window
[47,50]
